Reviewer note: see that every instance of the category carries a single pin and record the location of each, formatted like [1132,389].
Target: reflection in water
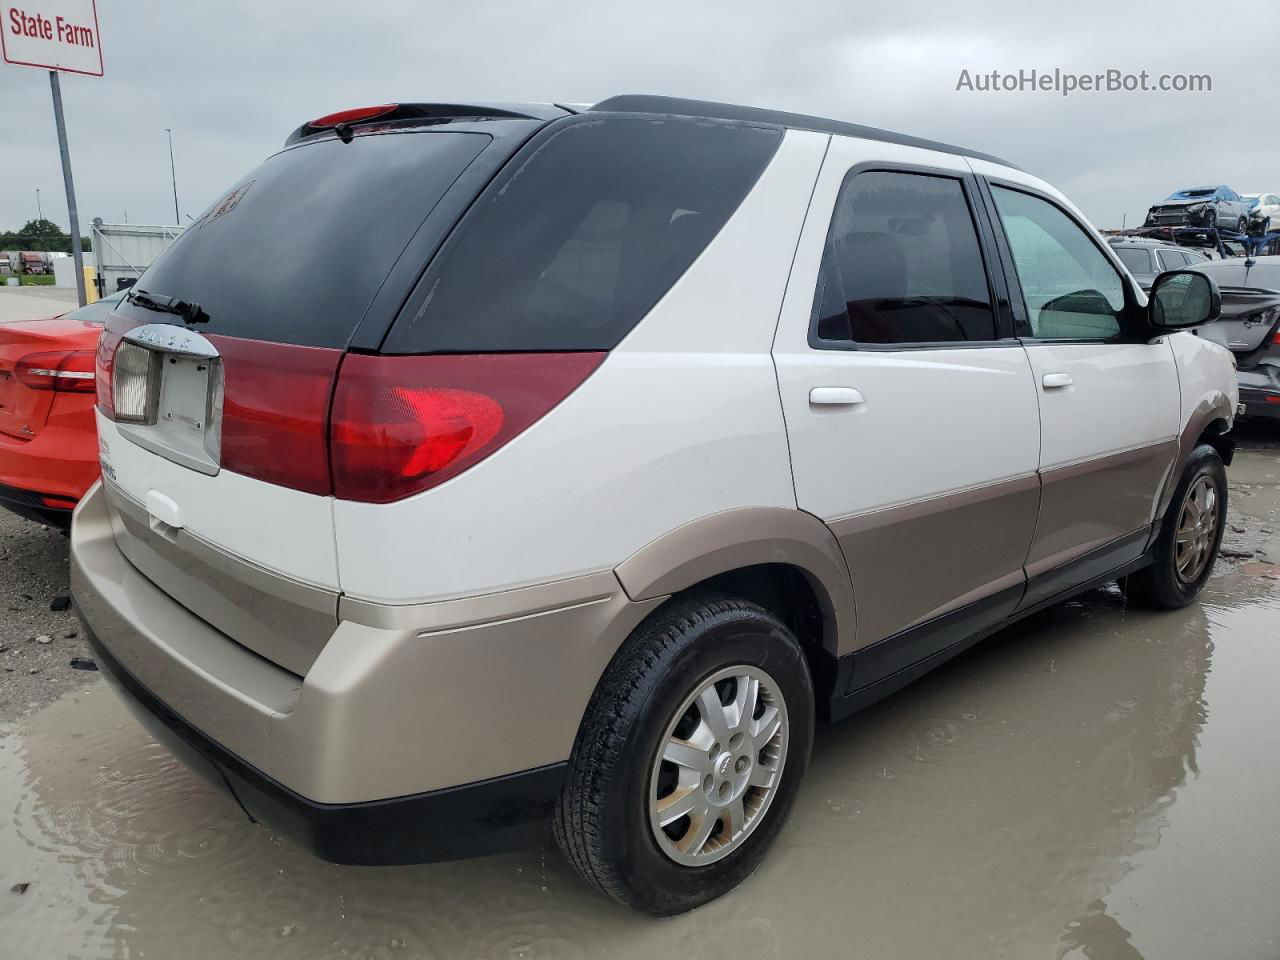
[1001,807]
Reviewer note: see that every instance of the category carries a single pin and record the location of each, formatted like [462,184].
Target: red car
[48,440]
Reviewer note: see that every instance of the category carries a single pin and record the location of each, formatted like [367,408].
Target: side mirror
[1183,298]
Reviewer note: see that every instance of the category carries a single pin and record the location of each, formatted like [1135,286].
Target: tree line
[39,235]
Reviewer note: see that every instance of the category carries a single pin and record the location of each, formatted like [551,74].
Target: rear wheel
[689,757]
[1189,538]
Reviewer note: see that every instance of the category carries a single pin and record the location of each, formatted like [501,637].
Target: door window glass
[1071,289]
[902,264]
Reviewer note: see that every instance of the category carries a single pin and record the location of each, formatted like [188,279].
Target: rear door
[911,416]
[1109,400]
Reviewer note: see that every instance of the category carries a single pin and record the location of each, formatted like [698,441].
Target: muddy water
[1097,782]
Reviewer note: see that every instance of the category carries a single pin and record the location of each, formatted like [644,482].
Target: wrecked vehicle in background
[1146,257]
[1250,327]
[1209,208]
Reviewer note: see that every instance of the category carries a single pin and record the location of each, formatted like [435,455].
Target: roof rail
[677,106]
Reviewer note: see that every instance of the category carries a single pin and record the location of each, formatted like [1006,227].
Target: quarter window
[902,264]
[1071,290]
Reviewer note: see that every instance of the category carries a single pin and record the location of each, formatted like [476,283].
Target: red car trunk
[24,410]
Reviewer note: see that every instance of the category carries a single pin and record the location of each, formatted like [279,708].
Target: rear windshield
[295,252]
[583,233]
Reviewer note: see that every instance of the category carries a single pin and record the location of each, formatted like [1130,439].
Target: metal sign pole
[72,213]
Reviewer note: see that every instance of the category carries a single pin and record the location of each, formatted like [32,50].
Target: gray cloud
[233,78]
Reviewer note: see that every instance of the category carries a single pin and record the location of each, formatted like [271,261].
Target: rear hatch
[33,354]
[214,377]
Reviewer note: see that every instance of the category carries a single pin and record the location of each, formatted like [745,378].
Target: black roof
[677,106]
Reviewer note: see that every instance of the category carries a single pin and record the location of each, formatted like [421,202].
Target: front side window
[902,264]
[1071,289]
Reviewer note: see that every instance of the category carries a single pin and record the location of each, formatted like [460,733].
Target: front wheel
[689,756]
[1189,537]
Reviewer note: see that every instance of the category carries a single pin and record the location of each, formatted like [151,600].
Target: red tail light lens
[66,371]
[354,115]
[402,425]
[275,408]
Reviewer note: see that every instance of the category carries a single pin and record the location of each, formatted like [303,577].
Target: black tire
[1211,220]
[1159,586]
[1242,226]
[602,819]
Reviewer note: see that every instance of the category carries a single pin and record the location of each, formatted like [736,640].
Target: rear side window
[295,252]
[1172,259]
[1136,259]
[902,265]
[582,234]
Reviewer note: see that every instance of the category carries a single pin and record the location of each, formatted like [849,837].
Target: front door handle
[1052,381]
[835,397]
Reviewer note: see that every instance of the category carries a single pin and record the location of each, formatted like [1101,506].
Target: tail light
[64,371]
[275,411]
[402,425]
[367,428]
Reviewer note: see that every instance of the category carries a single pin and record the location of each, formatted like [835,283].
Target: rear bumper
[418,733]
[32,505]
[503,813]
[61,460]
[1260,390]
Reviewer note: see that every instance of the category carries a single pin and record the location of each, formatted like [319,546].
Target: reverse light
[404,424]
[63,371]
[132,369]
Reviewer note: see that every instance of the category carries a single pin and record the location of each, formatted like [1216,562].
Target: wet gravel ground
[1095,783]
[39,635]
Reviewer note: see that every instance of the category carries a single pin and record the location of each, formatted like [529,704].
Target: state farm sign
[52,34]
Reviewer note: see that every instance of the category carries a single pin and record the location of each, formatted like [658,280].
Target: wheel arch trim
[744,537]
[1213,406]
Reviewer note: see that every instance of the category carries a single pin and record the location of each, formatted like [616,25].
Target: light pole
[174,176]
[39,209]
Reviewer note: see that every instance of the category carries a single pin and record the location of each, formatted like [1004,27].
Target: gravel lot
[37,643]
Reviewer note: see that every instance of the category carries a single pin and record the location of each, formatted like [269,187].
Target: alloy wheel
[1197,527]
[718,767]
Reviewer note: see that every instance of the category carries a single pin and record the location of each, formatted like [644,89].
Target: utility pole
[72,213]
[39,209]
[174,177]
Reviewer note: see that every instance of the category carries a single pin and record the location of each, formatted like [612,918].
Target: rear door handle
[835,397]
[1053,381]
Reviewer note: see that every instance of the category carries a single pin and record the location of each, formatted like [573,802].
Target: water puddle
[1096,782]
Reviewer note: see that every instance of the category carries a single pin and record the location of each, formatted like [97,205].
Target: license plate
[183,403]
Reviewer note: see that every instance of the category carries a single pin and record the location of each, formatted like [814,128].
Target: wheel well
[790,594]
[1217,435]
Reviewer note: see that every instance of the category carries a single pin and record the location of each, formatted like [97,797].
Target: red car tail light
[65,371]
[275,411]
[403,424]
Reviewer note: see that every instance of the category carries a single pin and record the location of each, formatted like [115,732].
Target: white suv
[468,469]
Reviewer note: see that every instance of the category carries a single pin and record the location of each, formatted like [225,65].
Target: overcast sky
[233,78]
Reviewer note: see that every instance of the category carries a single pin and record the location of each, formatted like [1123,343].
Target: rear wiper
[188,310]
